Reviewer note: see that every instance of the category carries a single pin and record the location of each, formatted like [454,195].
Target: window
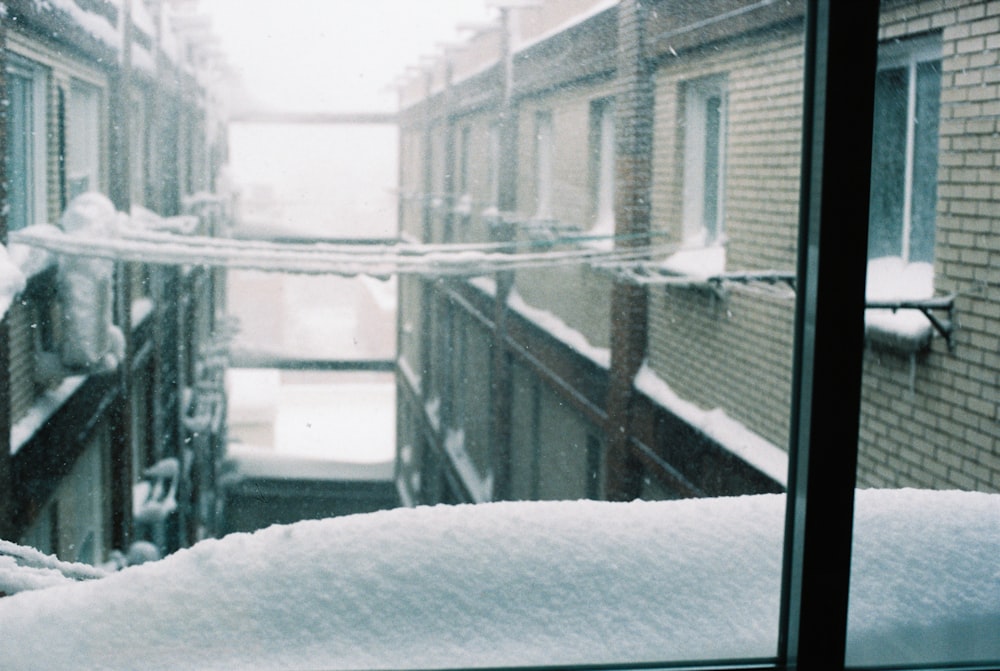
[464,140]
[543,165]
[904,169]
[704,161]
[27,150]
[83,140]
[602,165]
[494,165]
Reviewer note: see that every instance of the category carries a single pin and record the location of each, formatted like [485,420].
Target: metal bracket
[945,327]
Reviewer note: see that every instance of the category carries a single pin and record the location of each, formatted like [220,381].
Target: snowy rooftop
[524,584]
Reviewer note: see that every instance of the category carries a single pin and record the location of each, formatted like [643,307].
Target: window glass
[704,160]
[26,132]
[83,139]
[602,164]
[930,384]
[904,170]
[543,164]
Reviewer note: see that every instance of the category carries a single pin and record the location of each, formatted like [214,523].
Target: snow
[33,260]
[144,218]
[154,498]
[480,487]
[45,405]
[698,263]
[523,584]
[141,309]
[560,330]
[717,425]
[250,461]
[376,260]
[890,278]
[24,568]
[94,24]
[596,8]
[350,422]
[91,340]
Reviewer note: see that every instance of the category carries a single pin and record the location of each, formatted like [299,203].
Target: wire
[379,260]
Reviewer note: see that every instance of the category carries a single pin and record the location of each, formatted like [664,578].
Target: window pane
[713,145]
[20,157]
[510,382]
[925,163]
[885,236]
[924,587]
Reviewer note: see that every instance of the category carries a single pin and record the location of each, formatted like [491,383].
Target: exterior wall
[73,524]
[734,350]
[79,441]
[931,419]
[578,295]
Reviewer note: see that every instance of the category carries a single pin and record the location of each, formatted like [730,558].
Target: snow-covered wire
[32,558]
[324,258]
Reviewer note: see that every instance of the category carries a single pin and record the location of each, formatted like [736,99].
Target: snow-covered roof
[524,584]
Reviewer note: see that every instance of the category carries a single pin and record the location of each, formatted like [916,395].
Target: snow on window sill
[890,278]
[697,263]
[601,236]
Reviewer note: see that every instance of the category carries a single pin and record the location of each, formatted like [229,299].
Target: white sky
[333,54]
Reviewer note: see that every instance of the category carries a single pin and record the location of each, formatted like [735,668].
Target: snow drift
[523,584]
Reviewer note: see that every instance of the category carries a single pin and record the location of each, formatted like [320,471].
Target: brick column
[629,328]
[502,375]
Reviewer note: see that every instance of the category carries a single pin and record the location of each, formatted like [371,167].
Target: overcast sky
[333,54]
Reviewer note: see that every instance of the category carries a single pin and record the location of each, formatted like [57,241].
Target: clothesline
[321,258]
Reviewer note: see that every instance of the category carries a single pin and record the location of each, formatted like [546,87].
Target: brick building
[679,124]
[137,124]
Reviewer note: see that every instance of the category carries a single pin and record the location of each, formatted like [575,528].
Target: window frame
[841,43]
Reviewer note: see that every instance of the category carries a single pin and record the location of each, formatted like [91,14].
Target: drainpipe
[633,176]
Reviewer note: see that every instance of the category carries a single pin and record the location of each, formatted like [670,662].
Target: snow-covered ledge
[890,278]
[524,584]
[731,434]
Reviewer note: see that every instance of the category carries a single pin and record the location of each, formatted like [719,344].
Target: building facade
[581,123]
[108,432]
